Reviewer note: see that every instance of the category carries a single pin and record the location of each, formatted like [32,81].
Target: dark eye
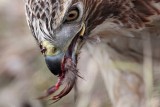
[72,15]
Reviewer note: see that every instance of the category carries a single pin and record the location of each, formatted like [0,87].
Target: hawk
[121,35]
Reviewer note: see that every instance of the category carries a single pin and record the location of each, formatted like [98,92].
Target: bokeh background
[23,72]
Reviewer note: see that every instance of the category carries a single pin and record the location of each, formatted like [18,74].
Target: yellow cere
[50,49]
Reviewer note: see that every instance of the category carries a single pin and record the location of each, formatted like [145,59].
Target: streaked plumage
[129,36]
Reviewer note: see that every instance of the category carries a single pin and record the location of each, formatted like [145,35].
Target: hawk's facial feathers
[58,27]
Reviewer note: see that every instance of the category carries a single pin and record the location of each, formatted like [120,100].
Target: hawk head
[61,27]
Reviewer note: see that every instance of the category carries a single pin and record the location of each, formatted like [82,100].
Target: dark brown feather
[131,13]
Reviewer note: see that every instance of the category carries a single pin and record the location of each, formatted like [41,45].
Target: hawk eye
[72,15]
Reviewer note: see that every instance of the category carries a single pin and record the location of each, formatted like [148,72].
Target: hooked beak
[63,63]
[54,58]
[54,63]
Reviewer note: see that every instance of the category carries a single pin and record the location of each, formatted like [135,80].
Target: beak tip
[54,63]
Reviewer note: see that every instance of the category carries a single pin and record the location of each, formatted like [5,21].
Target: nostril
[43,50]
